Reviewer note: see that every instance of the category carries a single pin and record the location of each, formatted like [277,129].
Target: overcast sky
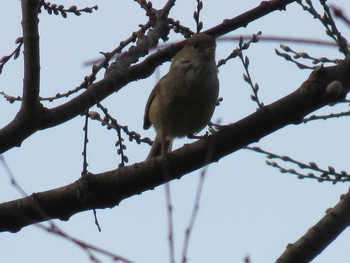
[247,207]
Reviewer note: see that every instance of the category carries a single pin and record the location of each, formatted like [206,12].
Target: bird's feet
[205,136]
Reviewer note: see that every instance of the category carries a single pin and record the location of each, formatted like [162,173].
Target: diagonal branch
[317,238]
[108,189]
[244,19]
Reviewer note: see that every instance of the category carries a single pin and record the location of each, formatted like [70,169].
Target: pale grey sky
[247,207]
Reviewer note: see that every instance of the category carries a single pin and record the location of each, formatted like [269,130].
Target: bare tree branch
[318,237]
[325,85]
[244,19]
[110,188]
[30,29]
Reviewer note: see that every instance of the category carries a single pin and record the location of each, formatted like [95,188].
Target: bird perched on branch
[183,101]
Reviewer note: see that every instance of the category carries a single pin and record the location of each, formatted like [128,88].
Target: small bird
[183,101]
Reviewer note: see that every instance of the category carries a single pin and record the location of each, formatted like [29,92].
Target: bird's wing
[146,121]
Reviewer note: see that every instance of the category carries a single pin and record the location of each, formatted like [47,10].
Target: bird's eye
[195,46]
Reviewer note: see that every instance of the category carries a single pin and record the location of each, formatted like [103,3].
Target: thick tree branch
[110,188]
[317,238]
[27,120]
[120,74]
[30,29]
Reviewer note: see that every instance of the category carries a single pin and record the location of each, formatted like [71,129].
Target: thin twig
[194,214]
[86,140]
[170,223]
[326,117]
[338,12]
[60,9]
[196,204]
[196,14]
[328,22]
[329,175]
[121,146]
[247,78]
[13,180]
[15,54]
[54,229]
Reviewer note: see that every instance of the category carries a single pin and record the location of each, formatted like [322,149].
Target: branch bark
[31,84]
[244,19]
[108,189]
[315,240]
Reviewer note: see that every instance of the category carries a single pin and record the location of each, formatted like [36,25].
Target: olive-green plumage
[183,101]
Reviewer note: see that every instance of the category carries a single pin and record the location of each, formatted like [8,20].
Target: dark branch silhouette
[108,189]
